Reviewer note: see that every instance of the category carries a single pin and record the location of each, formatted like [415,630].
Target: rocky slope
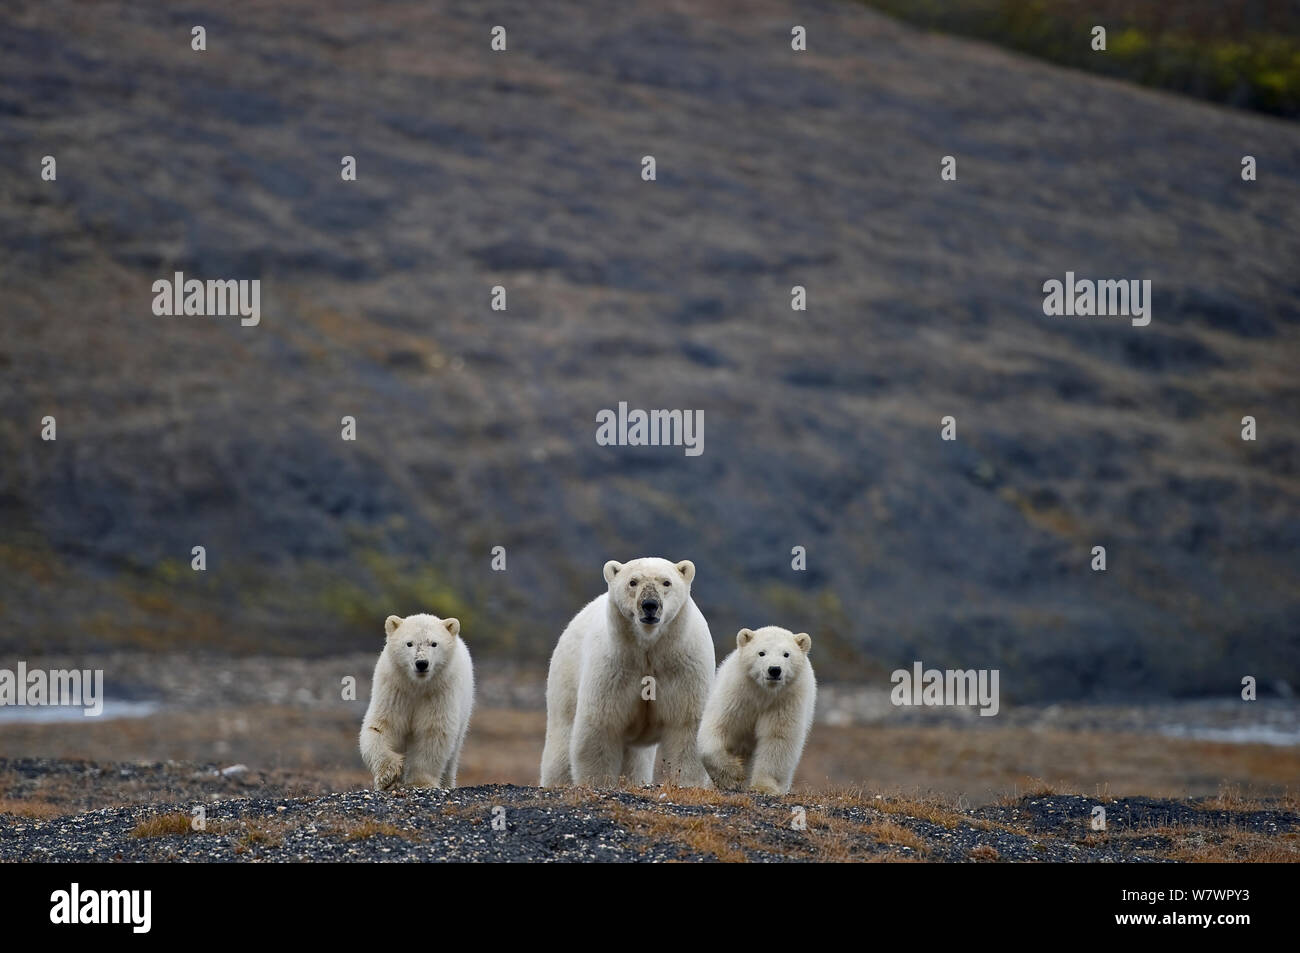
[476,428]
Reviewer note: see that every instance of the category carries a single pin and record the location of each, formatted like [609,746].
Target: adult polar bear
[631,671]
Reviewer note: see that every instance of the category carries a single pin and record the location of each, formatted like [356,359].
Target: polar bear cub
[760,712]
[630,674]
[420,703]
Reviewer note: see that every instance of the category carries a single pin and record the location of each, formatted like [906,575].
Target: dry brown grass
[937,812]
[372,828]
[463,812]
[260,835]
[834,839]
[887,832]
[853,762]
[984,852]
[740,826]
[1228,845]
[164,825]
[699,834]
[575,796]
[1232,798]
[24,807]
[1005,763]
[1037,787]
[745,827]
[1229,798]
[705,796]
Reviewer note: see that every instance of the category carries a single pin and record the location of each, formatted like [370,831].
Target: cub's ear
[611,570]
[687,569]
[804,641]
[391,624]
[453,626]
[743,637]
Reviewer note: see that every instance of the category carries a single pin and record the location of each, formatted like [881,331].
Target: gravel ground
[256,816]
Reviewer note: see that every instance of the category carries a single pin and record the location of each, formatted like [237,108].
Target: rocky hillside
[476,428]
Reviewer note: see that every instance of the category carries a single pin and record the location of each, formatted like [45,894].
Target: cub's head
[773,657]
[649,592]
[420,645]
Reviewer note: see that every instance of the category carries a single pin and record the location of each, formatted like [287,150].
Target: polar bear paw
[726,770]
[389,771]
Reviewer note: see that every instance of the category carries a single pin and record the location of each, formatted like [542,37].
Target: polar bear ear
[611,570]
[391,624]
[804,641]
[687,569]
[452,626]
[743,637]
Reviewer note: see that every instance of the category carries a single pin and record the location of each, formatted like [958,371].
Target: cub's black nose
[421,665]
[774,672]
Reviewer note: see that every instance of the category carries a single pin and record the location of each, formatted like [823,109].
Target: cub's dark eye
[435,645]
[761,654]
[409,644]
[667,583]
[632,584]
[787,654]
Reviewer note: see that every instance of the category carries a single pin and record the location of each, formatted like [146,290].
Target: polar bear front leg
[639,764]
[775,758]
[681,756]
[448,779]
[597,754]
[385,764]
[726,769]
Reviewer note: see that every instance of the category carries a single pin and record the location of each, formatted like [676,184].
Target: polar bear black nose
[649,606]
[421,665]
[774,672]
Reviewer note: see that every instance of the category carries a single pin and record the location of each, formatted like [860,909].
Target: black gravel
[255,816]
[434,826]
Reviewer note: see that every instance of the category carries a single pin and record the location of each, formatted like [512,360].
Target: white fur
[599,727]
[416,724]
[754,727]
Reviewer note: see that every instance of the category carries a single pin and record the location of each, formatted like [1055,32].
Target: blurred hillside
[1239,52]
[476,428]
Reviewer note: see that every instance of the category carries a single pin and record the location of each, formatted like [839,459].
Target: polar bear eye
[667,583]
[435,645]
[632,584]
[787,654]
[761,654]
[409,644]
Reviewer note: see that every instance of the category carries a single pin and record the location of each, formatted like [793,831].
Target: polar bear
[420,703]
[760,711]
[631,672]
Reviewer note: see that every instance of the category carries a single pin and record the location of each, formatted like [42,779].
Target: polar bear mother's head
[649,592]
[420,645]
[773,657]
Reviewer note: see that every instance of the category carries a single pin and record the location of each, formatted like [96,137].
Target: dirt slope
[476,428]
